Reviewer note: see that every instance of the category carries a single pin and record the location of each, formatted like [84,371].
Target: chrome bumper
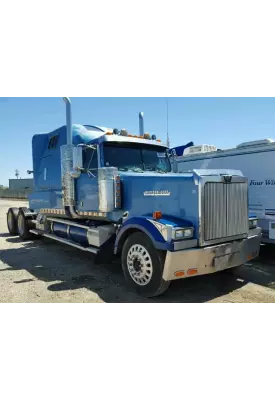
[206,260]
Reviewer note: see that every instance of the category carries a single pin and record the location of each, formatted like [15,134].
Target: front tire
[143,265]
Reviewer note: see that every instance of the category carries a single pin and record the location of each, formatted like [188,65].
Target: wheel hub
[139,264]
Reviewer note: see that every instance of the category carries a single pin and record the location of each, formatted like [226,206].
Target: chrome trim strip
[67,222]
[58,211]
[68,242]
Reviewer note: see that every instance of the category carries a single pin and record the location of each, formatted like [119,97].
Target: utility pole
[167,124]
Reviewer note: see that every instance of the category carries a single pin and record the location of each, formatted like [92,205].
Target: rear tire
[23,227]
[12,220]
[143,265]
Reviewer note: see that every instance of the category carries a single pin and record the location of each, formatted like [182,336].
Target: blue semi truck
[114,194]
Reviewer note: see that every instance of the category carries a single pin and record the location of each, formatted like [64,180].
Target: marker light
[154,137]
[109,133]
[147,136]
[192,271]
[157,214]
[116,131]
[117,192]
[179,273]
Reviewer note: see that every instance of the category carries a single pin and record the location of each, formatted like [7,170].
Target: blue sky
[224,122]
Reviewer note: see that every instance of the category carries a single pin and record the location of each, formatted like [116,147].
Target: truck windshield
[136,158]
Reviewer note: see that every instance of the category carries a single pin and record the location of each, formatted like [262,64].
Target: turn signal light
[179,273]
[157,215]
[192,271]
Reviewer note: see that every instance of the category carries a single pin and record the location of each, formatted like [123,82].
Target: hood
[175,195]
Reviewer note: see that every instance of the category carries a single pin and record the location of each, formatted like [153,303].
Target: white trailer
[256,160]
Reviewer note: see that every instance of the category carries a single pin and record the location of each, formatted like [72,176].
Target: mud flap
[106,252]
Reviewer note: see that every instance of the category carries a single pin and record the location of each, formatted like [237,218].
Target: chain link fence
[14,194]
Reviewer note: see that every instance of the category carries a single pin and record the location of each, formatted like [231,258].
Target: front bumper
[206,260]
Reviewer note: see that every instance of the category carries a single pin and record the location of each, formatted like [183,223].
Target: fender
[143,224]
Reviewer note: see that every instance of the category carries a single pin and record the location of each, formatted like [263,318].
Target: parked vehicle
[111,193]
[256,161]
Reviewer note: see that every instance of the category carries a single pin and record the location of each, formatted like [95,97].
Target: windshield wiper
[136,170]
[156,170]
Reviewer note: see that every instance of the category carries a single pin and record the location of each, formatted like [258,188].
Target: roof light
[108,133]
[116,131]
[147,135]
[154,137]
[124,132]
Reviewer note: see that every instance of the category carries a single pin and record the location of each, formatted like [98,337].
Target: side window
[89,159]
[53,142]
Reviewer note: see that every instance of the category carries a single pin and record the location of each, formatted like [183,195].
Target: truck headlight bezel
[183,233]
[253,223]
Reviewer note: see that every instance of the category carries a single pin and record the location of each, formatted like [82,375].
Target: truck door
[44,177]
[87,183]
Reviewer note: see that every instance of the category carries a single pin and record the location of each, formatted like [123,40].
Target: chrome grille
[224,210]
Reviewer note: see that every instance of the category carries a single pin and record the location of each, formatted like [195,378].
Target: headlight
[183,233]
[253,223]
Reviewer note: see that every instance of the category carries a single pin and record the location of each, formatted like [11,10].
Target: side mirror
[171,153]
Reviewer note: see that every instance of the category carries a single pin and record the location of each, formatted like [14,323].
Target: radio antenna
[167,124]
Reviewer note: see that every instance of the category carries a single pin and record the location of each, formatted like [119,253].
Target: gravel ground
[46,271]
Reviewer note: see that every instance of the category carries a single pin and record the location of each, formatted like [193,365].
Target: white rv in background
[256,160]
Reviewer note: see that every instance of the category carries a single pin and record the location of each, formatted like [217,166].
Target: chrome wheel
[21,224]
[139,265]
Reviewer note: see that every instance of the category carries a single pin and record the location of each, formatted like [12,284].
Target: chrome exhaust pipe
[67,170]
[141,124]
[69,120]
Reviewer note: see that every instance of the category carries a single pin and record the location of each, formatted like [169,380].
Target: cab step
[91,249]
